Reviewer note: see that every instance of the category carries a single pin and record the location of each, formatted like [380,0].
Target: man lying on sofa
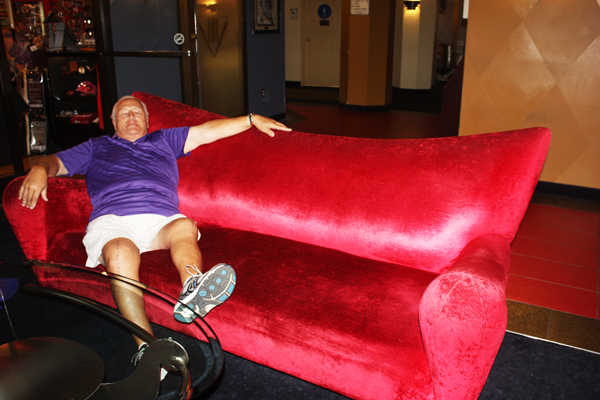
[132,181]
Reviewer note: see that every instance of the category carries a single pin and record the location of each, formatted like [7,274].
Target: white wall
[414,47]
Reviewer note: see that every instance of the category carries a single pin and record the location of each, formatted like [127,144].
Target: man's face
[131,121]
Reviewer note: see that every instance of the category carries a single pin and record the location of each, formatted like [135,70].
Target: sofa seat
[352,313]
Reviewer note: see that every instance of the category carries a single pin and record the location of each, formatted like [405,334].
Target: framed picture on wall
[266,16]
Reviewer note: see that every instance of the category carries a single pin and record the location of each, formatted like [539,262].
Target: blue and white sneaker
[203,292]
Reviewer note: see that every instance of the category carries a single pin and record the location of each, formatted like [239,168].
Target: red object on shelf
[87,87]
[86,118]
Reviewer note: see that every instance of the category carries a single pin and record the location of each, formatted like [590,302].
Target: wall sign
[359,7]
[179,39]
[324,11]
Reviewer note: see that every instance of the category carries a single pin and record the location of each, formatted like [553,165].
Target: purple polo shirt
[125,178]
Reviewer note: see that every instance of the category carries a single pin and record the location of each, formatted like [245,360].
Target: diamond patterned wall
[537,63]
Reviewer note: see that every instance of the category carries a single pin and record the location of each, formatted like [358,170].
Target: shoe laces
[195,270]
[138,355]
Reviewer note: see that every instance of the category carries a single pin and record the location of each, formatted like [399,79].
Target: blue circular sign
[324,11]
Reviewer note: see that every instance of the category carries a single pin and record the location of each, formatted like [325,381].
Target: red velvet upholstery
[375,268]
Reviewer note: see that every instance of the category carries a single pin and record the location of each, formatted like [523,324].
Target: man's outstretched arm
[214,130]
[36,181]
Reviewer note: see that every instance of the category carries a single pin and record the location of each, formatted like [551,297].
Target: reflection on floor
[394,124]
[552,290]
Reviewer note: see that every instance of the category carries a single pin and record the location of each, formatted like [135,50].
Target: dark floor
[429,101]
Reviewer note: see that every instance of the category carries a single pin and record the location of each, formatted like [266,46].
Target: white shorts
[140,229]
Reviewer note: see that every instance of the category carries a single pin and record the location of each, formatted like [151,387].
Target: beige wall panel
[517,79]
[585,169]
[568,144]
[490,25]
[477,111]
[537,63]
[578,84]
[522,7]
[562,30]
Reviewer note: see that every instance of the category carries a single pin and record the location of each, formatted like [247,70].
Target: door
[322,42]
[147,46]
[221,58]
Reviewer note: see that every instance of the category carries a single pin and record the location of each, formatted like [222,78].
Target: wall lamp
[411,5]
[209,6]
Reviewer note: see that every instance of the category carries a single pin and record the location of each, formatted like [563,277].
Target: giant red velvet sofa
[374,268]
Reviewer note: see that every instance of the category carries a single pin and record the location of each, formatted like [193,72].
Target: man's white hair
[113,114]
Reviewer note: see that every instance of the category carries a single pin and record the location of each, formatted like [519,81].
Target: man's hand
[35,183]
[34,186]
[267,125]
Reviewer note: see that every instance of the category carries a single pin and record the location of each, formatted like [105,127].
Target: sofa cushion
[354,321]
[410,202]
[67,248]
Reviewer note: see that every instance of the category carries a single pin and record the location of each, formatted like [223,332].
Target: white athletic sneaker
[203,292]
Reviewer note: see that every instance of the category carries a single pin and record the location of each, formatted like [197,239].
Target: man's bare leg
[181,238]
[201,291]
[122,257]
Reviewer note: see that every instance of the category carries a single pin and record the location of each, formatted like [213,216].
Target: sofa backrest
[411,202]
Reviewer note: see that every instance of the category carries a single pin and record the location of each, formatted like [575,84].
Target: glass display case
[73,97]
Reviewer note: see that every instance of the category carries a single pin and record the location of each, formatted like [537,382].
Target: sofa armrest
[67,210]
[463,318]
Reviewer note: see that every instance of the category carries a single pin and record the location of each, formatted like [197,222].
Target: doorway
[322,31]
[146,46]
[221,57]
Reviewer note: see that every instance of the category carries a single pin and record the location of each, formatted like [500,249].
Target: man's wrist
[46,165]
[42,167]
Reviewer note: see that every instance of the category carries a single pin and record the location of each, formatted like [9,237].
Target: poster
[359,7]
[266,16]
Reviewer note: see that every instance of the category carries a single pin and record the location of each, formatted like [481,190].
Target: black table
[88,356]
